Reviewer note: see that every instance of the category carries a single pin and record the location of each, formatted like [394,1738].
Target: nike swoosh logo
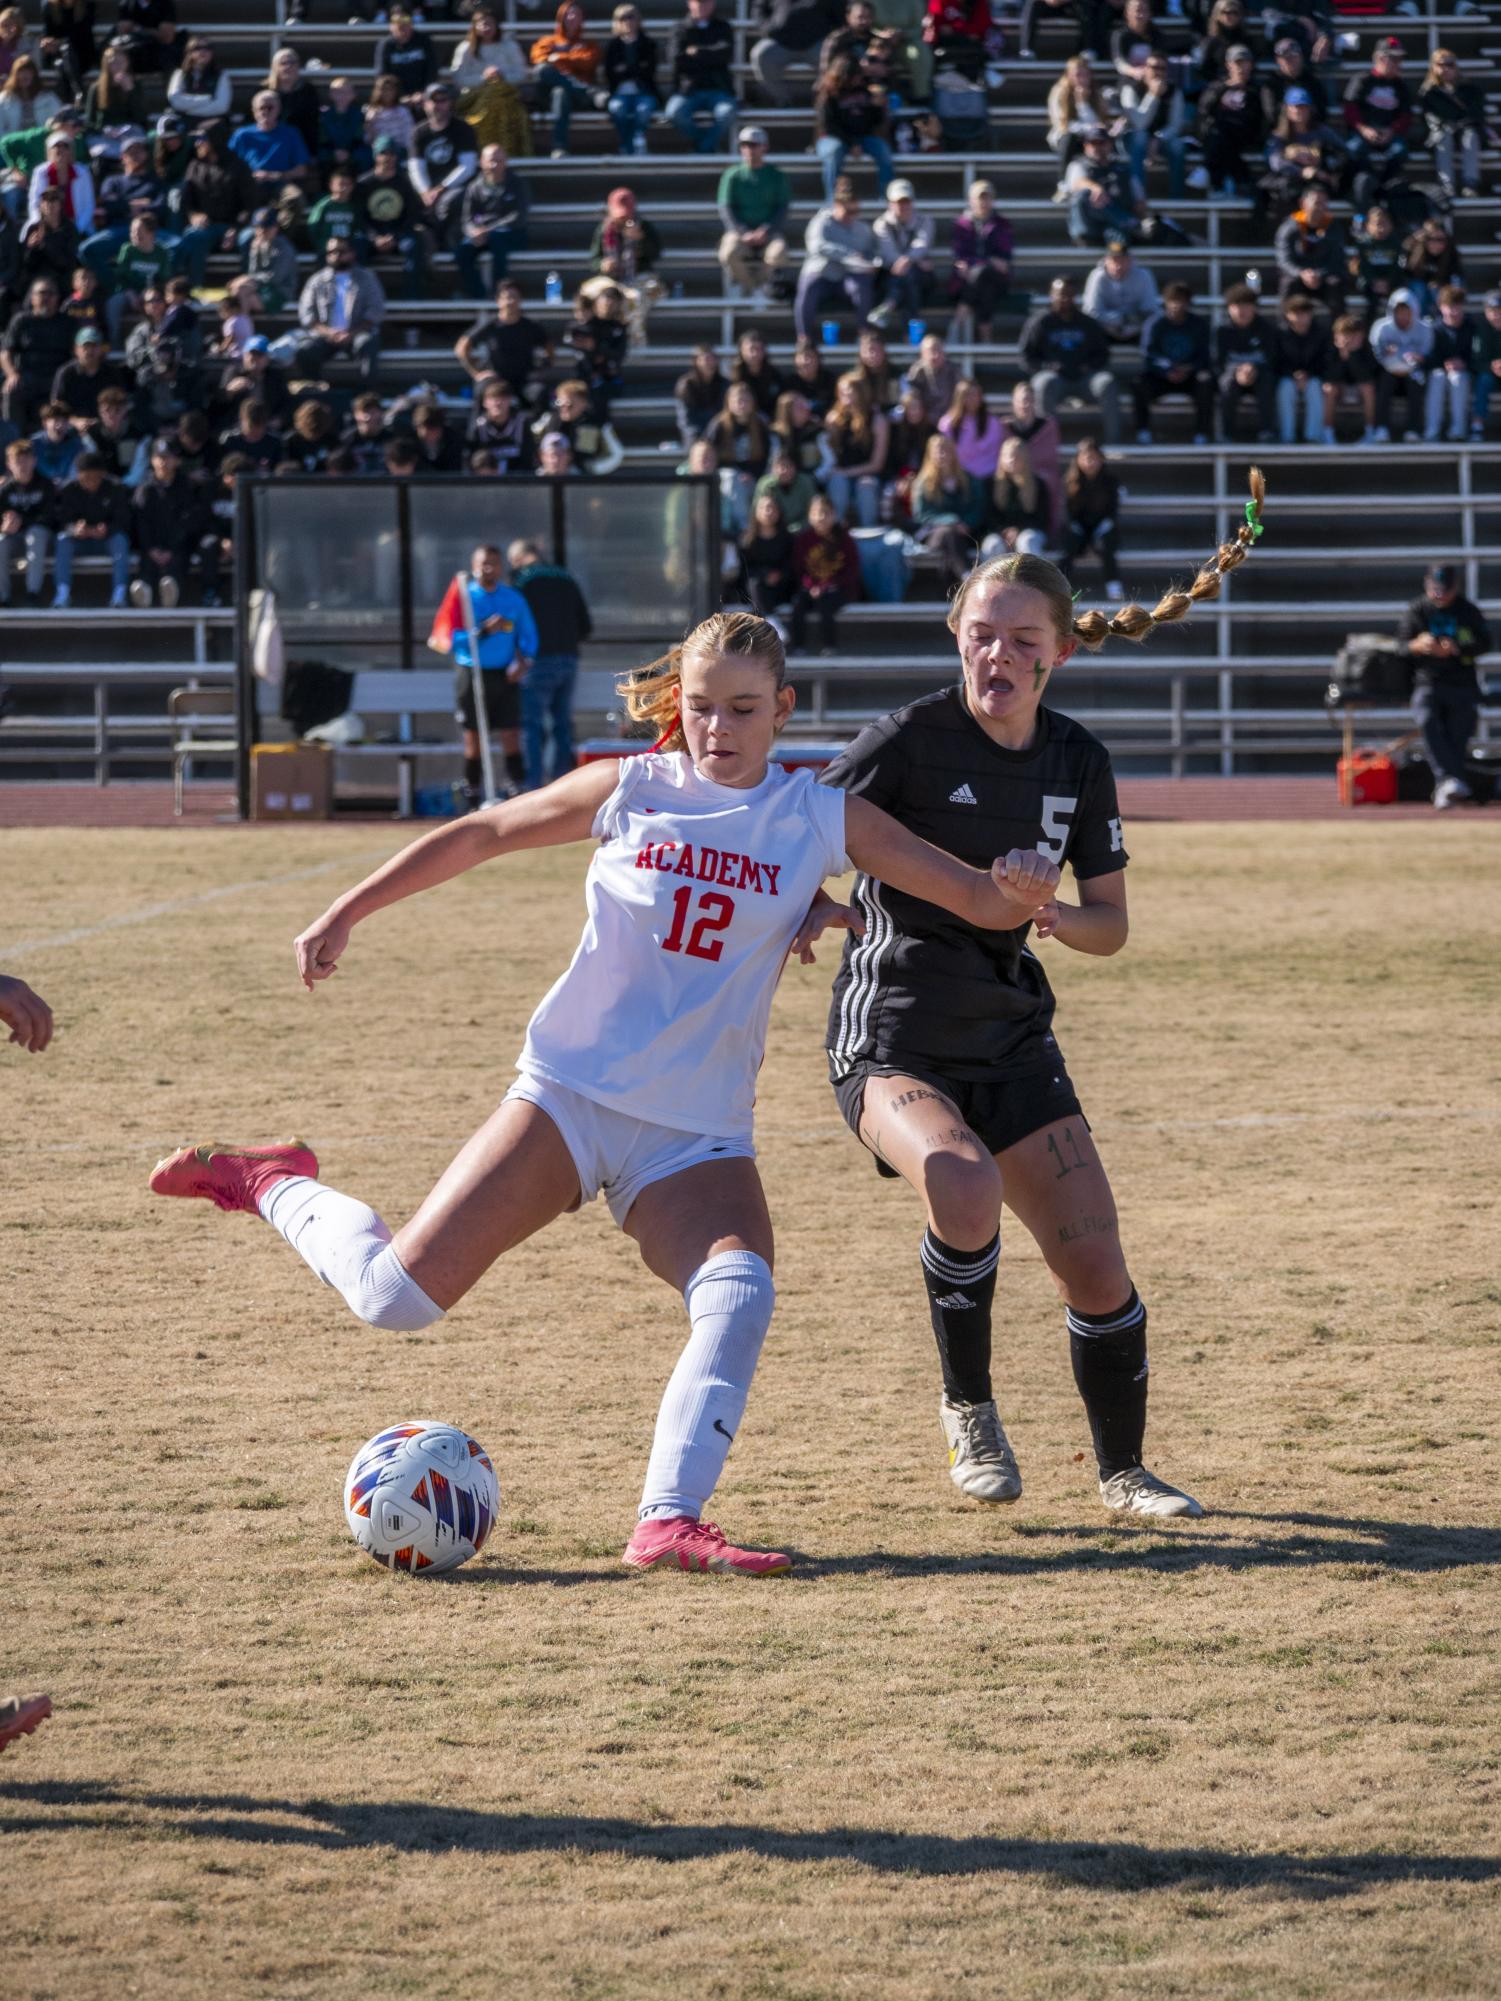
[723,1433]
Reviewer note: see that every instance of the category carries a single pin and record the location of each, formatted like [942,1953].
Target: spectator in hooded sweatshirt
[563,624]
[1445,634]
[1243,365]
[1120,293]
[1176,361]
[1403,347]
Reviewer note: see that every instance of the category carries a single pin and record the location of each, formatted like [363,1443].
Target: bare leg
[1056,1184]
[920,1133]
[682,1222]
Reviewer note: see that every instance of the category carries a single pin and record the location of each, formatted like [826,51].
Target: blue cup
[829,333]
[915,331]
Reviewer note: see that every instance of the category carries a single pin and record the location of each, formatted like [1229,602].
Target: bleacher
[1239,687]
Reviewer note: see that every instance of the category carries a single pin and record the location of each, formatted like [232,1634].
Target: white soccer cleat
[1138,1492]
[981,1462]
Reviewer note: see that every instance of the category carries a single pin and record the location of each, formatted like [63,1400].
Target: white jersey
[694,895]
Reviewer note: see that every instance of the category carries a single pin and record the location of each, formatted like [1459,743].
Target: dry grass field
[956,1753]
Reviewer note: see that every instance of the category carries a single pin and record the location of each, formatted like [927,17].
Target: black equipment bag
[313,693]
[1371,667]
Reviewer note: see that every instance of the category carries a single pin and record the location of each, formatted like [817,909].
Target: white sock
[349,1247]
[729,1304]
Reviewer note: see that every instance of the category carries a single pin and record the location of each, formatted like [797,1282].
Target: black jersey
[922,986]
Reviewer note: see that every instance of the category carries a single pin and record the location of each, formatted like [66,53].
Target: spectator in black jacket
[79,382]
[37,342]
[1232,125]
[1302,154]
[1300,353]
[1454,115]
[1349,365]
[1311,255]
[508,344]
[631,79]
[49,244]
[443,157]
[563,624]
[1092,504]
[795,31]
[1445,634]
[217,196]
[169,521]
[407,54]
[438,447]
[702,59]
[1176,361]
[1067,355]
[255,374]
[388,218]
[498,426]
[26,519]
[92,512]
[1243,365]
[492,221]
[1291,71]
[1378,114]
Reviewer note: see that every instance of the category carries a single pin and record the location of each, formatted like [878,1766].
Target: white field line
[149,912]
[1250,1121]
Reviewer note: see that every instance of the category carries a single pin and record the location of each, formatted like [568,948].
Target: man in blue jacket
[1175,360]
[507,635]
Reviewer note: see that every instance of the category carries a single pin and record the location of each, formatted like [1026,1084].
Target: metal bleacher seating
[1237,688]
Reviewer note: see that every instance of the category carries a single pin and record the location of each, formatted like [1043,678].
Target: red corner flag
[448,621]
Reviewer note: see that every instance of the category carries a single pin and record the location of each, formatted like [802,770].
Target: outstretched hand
[25,1013]
[320,948]
[824,914]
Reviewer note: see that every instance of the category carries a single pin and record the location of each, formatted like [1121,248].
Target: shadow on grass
[1290,1542]
[419,1826]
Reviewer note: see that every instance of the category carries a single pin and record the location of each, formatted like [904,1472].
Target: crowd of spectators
[133,393]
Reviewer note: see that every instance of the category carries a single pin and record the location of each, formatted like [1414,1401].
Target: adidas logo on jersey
[963,797]
[953,1301]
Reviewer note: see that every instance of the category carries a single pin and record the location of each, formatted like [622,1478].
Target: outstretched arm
[561,812]
[25,1014]
[1017,885]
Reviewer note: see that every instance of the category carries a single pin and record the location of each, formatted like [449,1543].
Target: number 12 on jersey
[717,911]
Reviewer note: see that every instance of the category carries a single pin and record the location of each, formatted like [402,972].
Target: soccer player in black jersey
[941,1045]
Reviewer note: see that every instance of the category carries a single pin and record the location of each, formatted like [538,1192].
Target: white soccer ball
[421,1496]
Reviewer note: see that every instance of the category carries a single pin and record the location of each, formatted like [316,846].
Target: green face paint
[1039,674]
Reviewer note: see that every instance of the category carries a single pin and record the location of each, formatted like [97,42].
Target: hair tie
[1253,520]
[671,730]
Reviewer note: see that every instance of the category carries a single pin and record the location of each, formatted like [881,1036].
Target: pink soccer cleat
[232,1177]
[684,1544]
[20,1715]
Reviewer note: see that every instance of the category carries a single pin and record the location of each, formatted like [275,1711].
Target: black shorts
[1031,1093]
[502,698]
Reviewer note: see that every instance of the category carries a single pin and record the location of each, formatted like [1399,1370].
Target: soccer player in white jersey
[639,1071]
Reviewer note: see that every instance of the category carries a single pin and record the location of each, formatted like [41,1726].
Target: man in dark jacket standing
[563,624]
[703,53]
[1067,355]
[1445,634]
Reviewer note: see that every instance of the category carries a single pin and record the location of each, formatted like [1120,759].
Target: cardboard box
[291,781]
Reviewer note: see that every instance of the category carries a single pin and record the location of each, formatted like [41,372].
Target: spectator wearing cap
[1486,362]
[1176,360]
[1300,355]
[840,264]
[980,263]
[1445,634]
[555,457]
[169,522]
[1402,345]
[1067,356]
[388,218]
[340,313]
[198,89]
[35,345]
[1105,197]
[1157,126]
[753,200]
[904,245]
[565,70]
[492,222]
[273,152]
[1311,255]
[795,32]
[631,79]
[80,382]
[1244,365]
[1291,70]
[1121,293]
[92,511]
[407,54]
[1301,155]
[1451,378]
[1378,116]
[1453,112]
[216,199]
[701,57]
[1232,125]
[63,170]
[270,260]
[442,160]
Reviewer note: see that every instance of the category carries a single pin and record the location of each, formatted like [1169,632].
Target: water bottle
[553,289]
[1253,281]
[915,331]
[830,332]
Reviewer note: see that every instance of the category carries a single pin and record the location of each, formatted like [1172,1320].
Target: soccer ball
[421,1496]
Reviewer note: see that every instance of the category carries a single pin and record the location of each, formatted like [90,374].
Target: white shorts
[615,1154]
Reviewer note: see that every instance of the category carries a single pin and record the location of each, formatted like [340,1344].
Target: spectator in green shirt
[794,489]
[139,263]
[753,202]
[334,216]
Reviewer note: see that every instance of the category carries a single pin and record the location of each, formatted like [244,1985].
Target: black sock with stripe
[961,1291]
[1109,1354]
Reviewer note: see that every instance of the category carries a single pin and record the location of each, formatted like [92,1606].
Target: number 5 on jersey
[717,912]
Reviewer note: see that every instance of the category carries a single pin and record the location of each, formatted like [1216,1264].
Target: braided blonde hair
[1132,621]
[653,694]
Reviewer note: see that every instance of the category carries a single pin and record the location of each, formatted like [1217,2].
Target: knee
[1096,1281]
[964,1199]
[385,1295]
